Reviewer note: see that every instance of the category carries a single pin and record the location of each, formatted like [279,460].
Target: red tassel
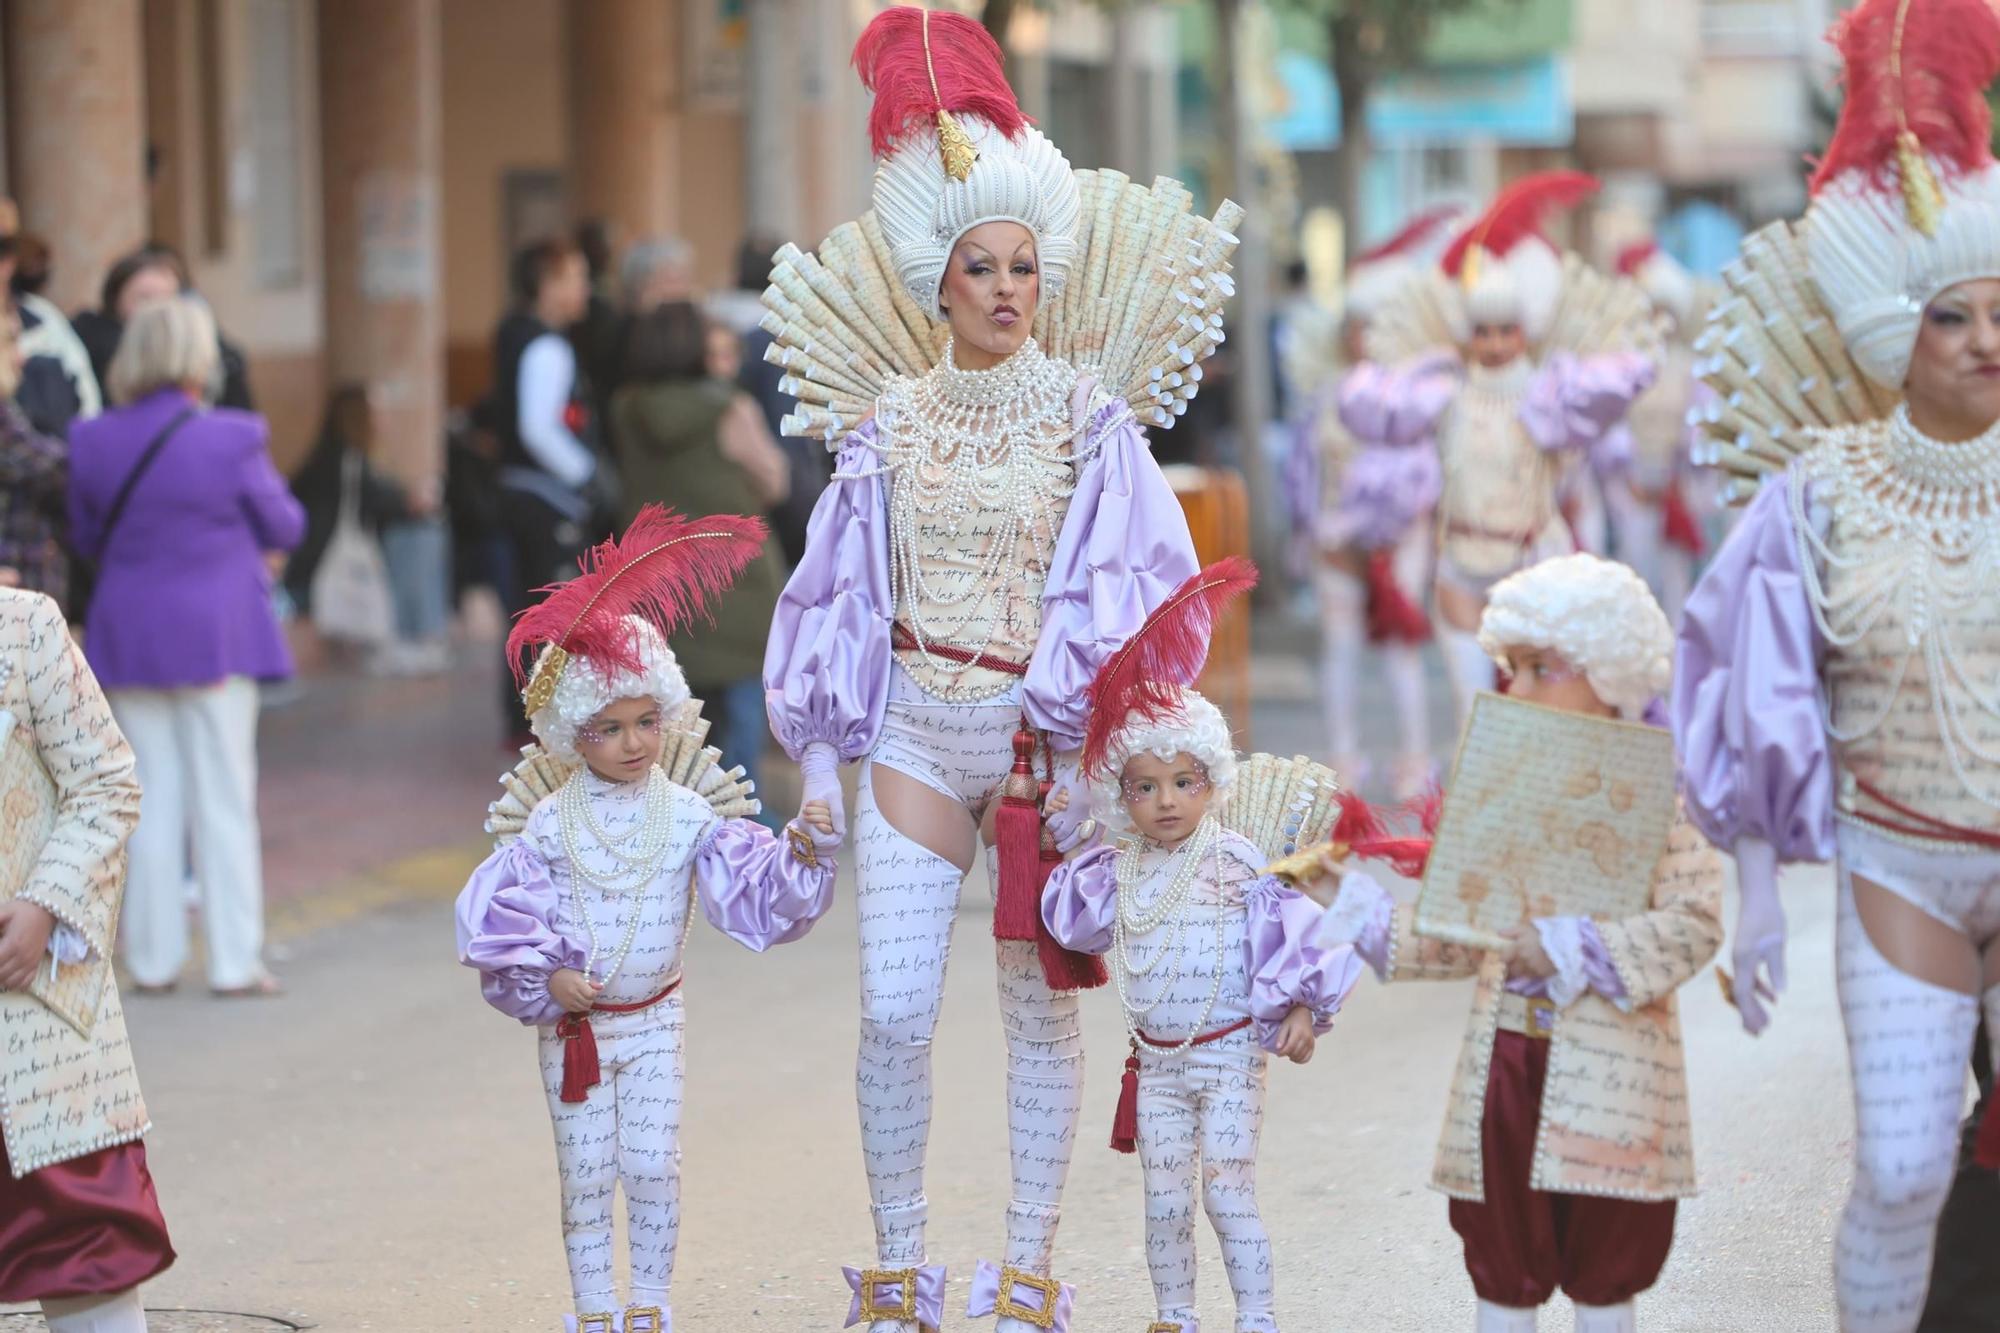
[1407,856]
[580,1069]
[1066,969]
[1017,837]
[1678,524]
[1392,616]
[1986,1148]
[1125,1123]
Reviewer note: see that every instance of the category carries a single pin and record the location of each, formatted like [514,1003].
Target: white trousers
[1201,1113]
[197,761]
[1641,536]
[1343,606]
[1908,1044]
[626,1132]
[907,901]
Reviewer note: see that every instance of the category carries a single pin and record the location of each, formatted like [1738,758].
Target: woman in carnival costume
[1561,1173]
[1514,360]
[609,835]
[1362,508]
[979,349]
[1215,961]
[1838,684]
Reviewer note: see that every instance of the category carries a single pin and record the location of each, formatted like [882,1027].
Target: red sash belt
[1125,1123]
[903,641]
[1524,540]
[1921,825]
[580,1069]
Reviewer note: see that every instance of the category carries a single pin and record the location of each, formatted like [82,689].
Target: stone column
[1127,57]
[624,58]
[381,122]
[770,119]
[76,137]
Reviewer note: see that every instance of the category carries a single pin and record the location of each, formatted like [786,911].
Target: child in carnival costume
[981,348]
[1557,1175]
[1656,499]
[611,833]
[1837,692]
[1215,962]
[1516,362]
[1362,509]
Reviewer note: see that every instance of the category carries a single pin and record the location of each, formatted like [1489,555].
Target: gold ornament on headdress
[1923,197]
[954,144]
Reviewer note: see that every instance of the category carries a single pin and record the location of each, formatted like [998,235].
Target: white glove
[1072,824]
[1759,952]
[819,767]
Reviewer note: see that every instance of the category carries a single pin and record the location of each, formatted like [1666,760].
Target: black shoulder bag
[83,572]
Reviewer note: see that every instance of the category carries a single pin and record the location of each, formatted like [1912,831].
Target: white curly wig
[1199,730]
[584,691]
[1598,614]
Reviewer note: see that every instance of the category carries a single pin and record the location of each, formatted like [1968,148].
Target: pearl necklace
[1927,517]
[962,446]
[1170,909]
[654,832]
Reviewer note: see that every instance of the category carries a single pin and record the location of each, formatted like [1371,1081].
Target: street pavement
[371,1150]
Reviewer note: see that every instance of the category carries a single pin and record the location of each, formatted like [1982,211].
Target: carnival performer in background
[1573,994]
[1655,502]
[995,528]
[1838,685]
[1515,361]
[1362,508]
[80,1226]
[609,835]
[1215,962]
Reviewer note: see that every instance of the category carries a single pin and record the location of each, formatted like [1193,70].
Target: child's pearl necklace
[1200,849]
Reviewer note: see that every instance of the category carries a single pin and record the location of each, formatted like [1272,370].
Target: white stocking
[1503,1319]
[1471,670]
[627,1131]
[117,1313]
[1676,577]
[1908,1043]
[1607,1318]
[1343,620]
[1044,1099]
[1201,1114]
[1403,664]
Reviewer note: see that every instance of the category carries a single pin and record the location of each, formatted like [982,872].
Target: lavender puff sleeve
[1124,546]
[1081,899]
[1398,405]
[1573,402]
[754,890]
[1289,962]
[505,929]
[826,663]
[1755,761]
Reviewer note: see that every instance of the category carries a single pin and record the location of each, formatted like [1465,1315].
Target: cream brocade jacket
[67,1083]
[1614,1117]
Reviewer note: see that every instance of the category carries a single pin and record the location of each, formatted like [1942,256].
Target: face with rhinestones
[1954,382]
[1165,797]
[992,285]
[622,743]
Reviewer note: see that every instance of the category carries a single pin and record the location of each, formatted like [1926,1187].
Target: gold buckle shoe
[653,1316]
[1006,1307]
[597,1323]
[874,1279]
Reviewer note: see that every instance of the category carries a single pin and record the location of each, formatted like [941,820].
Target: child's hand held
[1296,1038]
[572,990]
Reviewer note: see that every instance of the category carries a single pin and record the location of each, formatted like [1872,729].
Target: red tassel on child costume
[1677,522]
[1017,840]
[580,1068]
[1392,616]
[1067,969]
[1125,1123]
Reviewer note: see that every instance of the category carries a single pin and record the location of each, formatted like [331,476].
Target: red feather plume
[894,65]
[1518,212]
[1414,233]
[1634,256]
[1358,822]
[1950,54]
[665,569]
[1142,681]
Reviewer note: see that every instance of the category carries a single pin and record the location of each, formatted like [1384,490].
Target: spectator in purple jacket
[181,630]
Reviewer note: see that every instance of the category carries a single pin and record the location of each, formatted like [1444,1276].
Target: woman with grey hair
[180,508]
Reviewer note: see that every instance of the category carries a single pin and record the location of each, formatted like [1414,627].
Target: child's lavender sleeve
[506,929]
[1081,899]
[760,889]
[1289,962]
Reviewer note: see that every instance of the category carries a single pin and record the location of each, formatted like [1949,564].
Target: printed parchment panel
[27,816]
[1549,813]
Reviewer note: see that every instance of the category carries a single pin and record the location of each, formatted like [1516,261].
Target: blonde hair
[167,343]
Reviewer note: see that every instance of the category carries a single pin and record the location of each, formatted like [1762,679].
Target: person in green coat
[700,446]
